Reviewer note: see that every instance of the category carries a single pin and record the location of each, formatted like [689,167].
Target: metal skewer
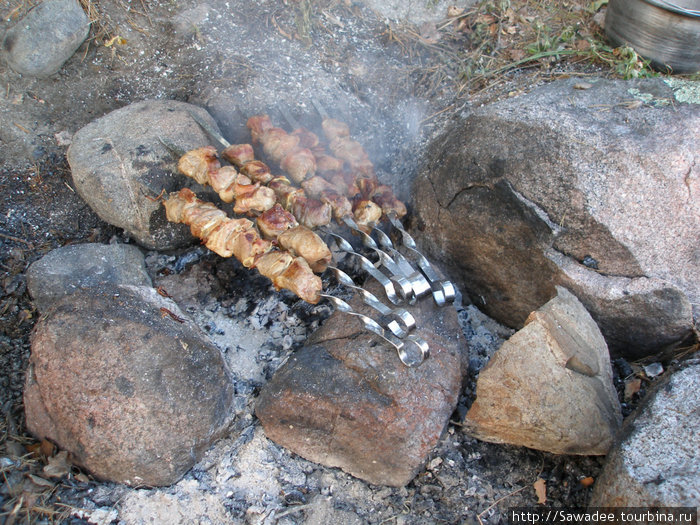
[209,129]
[414,284]
[368,267]
[412,351]
[443,290]
[399,321]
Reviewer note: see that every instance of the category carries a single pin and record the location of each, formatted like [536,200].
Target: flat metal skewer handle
[412,351]
[420,285]
[368,267]
[400,322]
[443,290]
[404,285]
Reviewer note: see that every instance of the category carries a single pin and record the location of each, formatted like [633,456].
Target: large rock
[134,393]
[579,188]
[656,461]
[549,387]
[345,400]
[46,37]
[77,266]
[120,164]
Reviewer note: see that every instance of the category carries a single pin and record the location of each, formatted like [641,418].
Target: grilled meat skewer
[308,211]
[203,165]
[238,237]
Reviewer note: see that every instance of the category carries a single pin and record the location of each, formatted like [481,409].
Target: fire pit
[281,244]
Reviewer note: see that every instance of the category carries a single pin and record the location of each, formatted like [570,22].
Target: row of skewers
[325,183]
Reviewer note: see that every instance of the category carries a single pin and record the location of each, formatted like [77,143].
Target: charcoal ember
[345,400]
[126,383]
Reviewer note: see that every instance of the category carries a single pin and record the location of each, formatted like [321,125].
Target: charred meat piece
[307,139]
[239,238]
[326,192]
[299,164]
[367,214]
[203,165]
[312,213]
[258,125]
[326,164]
[277,143]
[258,171]
[198,163]
[275,221]
[335,129]
[238,154]
[299,278]
[385,198]
[301,241]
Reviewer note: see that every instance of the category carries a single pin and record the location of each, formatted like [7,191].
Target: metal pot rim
[676,6]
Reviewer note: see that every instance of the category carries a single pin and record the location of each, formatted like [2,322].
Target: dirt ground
[396,84]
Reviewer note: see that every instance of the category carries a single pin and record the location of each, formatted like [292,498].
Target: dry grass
[498,40]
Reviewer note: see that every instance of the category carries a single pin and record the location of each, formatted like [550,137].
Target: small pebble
[654,369]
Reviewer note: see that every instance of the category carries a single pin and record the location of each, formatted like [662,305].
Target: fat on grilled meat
[275,221]
[303,242]
[202,165]
[238,238]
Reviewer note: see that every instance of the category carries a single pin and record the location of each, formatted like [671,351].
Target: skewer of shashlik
[202,164]
[443,290]
[239,238]
[309,211]
[357,186]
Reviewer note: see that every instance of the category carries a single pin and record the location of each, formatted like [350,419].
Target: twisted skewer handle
[401,321]
[388,284]
[443,290]
[412,351]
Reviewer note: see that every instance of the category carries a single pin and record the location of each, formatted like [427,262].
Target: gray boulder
[582,188]
[120,164]
[46,37]
[656,461]
[126,383]
[549,387]
[77,266]
[345,400]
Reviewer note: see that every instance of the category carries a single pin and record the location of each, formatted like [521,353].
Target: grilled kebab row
[282,247]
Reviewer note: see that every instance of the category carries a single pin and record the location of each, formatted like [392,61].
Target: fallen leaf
[115,40]
[40,481]
[82,478]
[453,11]
[516,54]
[485,19]
[582,45]
[58,465]
[632,386]
[583,85]
[540,490]
[587,481]
[47,448]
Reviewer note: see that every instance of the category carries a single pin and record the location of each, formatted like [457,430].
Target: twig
[426,119]
[497,502]
[16,239]
[290,510]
